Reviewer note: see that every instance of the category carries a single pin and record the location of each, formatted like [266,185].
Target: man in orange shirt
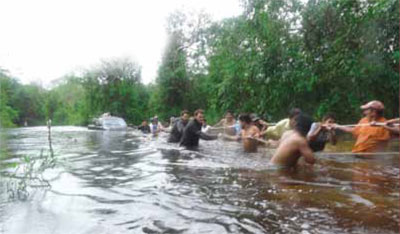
[369,136]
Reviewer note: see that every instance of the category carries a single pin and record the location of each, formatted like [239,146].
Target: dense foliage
[322,56]
[112,86]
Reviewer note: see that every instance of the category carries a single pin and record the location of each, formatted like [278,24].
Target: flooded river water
[125,182]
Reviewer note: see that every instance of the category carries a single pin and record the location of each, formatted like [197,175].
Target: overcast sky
[43,40]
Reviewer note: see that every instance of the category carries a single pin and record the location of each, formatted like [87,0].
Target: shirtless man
[258,122]
[293,144]
[248,134]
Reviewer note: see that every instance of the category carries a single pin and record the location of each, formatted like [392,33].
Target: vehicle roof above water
[111,120]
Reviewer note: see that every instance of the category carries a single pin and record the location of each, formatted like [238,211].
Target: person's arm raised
[394,129]
[393,121]
[343,128]
[220,123]
[207,137]
[230,138]
[314,131]
[254,132]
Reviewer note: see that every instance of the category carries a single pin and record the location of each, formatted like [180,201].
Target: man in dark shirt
[192,132]
[144,127]
[177,129]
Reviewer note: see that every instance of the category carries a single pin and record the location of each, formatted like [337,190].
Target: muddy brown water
[89,181]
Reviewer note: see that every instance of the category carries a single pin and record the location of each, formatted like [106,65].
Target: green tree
[115,86]
[29,100]
[351,47]
[7,113]
[65,102]
[172,89]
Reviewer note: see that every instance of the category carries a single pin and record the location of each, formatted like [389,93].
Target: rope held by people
[363,125]
[233,126]
[344,125]
[358,153]
[215,128]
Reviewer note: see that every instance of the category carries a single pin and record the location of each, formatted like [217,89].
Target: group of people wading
[293,137]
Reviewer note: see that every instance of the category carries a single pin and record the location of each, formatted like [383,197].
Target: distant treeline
[322,56]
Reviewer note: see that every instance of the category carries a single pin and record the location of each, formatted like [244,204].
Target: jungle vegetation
[322,56]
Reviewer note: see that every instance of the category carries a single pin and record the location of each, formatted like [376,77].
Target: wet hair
[303,124]
[198,111]
[245,117]
[185,112]
[328,116]
[294,112]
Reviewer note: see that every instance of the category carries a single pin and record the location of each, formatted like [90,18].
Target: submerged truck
[107,122]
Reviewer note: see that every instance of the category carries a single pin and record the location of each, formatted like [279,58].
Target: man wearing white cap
[369,136]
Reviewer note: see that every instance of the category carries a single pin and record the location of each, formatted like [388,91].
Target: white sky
[43,40]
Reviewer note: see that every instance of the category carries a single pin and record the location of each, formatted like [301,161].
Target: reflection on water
[118,182]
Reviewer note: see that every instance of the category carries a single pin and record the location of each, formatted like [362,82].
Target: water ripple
[103,182]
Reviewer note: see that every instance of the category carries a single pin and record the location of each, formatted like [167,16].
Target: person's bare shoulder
[302,140]
[255,129]
[287,134]
[297,138]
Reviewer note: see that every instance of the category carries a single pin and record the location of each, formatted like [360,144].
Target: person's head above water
[185,115]
[245,120]
[373,109]
[329,118]
[292,114]
[302,124]
[229,115]
[154,120]
[199,115]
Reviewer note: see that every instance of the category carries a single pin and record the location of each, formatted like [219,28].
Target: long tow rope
[339,153]
[233,126]
[343,125]
[367,124]
[358,153]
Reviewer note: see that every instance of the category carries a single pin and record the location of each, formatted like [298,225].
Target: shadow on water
[102,182]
